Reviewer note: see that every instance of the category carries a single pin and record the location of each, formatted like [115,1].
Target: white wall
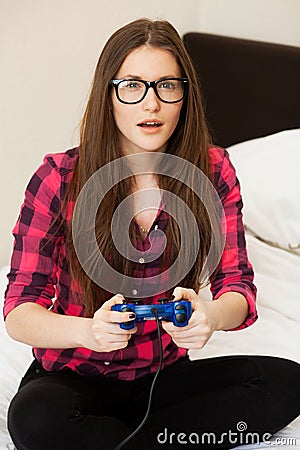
[262,20]
[49,49]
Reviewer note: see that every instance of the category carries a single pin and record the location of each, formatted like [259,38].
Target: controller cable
[121,444]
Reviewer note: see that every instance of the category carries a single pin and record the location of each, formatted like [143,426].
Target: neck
[145,162]
[145,181]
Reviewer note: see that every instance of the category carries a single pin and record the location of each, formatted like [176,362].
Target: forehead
[149,63]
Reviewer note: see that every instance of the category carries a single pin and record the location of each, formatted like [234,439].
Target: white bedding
[14,359]
[277,331]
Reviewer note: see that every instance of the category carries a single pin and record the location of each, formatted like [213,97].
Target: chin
[154,148]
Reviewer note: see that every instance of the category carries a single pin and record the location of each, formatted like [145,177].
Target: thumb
[188,294]
[180,293]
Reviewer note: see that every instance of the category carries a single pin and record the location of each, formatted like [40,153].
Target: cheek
[121,116]
[176,116]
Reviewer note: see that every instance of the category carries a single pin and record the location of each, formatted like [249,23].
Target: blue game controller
[177,312]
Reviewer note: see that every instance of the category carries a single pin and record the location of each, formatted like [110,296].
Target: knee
[33,415]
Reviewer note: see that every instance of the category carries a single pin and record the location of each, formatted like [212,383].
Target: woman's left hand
[200,327]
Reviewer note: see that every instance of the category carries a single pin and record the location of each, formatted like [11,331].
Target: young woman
[88,386]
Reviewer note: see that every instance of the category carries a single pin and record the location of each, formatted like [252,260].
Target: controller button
[180,318]
[129,325]
[162,300]
[181,307]
[126,309]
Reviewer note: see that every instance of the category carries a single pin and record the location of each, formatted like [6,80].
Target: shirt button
[106,363]
[141,260]
[134,291]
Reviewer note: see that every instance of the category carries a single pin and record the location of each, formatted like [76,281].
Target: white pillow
[277,330]
[277,279]
[269,172]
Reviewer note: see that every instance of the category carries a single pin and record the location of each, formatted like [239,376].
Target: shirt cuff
[251,300]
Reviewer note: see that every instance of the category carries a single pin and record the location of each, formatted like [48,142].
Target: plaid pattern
[40,273]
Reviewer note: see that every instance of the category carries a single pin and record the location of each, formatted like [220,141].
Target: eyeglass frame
[148,84]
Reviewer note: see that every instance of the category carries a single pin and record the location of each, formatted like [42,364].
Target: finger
[109,316]
[114,317]
[190,336]
[180,334]
[186,331]
[170,328]
[183,293]
[191,345]
[115,338]
[191,341]
[119,317]
[119,330]
[115,329]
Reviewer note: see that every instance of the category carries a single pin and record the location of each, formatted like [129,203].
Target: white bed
[271,193]
[268,172]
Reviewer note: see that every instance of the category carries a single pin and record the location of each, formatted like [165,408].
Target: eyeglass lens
[131,91]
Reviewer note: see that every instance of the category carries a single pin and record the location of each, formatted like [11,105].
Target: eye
[131,85]
[168,85]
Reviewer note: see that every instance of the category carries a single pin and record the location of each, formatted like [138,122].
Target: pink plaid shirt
[40,270]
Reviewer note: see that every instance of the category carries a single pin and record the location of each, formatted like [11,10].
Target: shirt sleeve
[32,275]
[235,272]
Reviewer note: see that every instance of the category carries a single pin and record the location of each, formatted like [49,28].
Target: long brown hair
[99,145]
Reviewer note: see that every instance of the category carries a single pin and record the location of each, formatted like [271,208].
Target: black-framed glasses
[168,90]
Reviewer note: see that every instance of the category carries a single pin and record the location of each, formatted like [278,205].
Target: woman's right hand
[103,333]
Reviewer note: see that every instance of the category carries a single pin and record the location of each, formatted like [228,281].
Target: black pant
[212,403]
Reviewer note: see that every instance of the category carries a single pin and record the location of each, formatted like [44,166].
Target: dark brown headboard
[251,88]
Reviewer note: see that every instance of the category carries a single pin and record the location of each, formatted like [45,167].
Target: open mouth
[150,124]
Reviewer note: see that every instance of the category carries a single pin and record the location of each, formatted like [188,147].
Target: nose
[151,102]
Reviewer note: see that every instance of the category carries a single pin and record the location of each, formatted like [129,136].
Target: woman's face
[146,126]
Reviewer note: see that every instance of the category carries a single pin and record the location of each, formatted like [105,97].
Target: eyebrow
[137,77]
